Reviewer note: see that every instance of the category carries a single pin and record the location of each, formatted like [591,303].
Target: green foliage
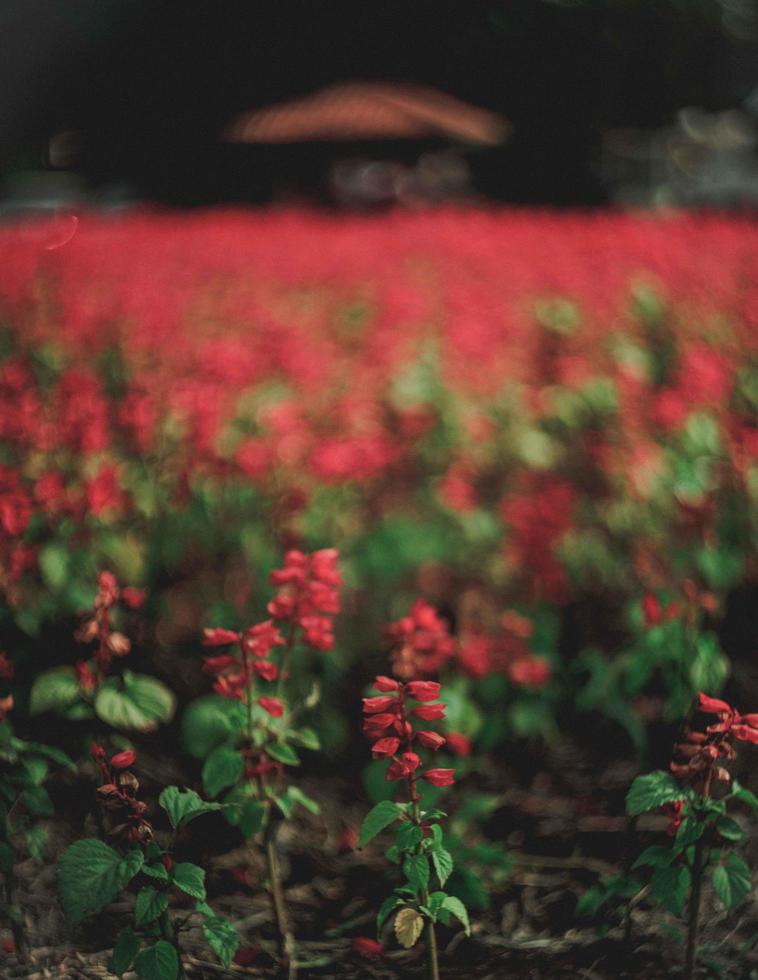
[379,817]
[190,878]
[157,962]
[134,702]
[126,948]
[184,805]
[54,690]
[732,881]
[651,791]
[221,936]
[90,875]
[221,769]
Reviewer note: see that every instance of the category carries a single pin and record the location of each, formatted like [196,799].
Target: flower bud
[124,759]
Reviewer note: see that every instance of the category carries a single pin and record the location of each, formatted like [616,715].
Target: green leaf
[651,791]
[222,768]
[416,870]
[150,904]
[53,560]
[221,936]
[409,836]
[729,829]
[126,948]
[689,831]
[308,738]
[37,801]
[379,817]
[671,886]
[157,871]
[134,702]
[90,875]
[208,722]
[590,901]
[436,838]
[385,910]
[654,856]
[456,907]
[190,878]
[49,752]
[732,881]
[305,801]
[285,804]
[35,770]
[158,962]
[54,690]
[283,753]
[252,817]
[183,805]
[744,795]
[443,864]
[36,839]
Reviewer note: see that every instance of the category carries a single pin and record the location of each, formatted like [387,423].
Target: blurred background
[561,102]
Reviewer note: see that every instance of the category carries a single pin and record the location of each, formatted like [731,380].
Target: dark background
[151,84]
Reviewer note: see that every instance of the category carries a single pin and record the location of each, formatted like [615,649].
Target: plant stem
[169,934]
[17,925]
[694,912]
[286,939]
[430,936]
[694,909]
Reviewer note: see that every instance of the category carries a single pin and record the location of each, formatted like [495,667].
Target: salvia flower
[308,595]
[388,721]
[97,627]
[421,641]
[698,753]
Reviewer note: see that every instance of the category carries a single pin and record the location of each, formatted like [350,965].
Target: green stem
[169,934]
[694,912]
[286,939]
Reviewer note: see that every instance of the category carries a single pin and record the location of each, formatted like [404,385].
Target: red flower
[6,704]
[430,712]
[375,726]
[458,744]
[133,598]
[530,672]
[651,608]
[430,740]
[366,946]
[385,684]
[219,637]
[6,668]
[123,760]
[217,665]
[266,670]
[439,777]
[402,767]
[373,706]
[385,747]
[273,706]
[423,690]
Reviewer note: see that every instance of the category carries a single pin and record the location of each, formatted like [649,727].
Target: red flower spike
[439,777]
[430,712]
[423,690]
[133,598]
[273,706]
[384,684]
[377,725]
[219,637]
[124,759]
[403,766]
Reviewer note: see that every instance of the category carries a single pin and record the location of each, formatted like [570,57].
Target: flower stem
[694,912]
[286,939]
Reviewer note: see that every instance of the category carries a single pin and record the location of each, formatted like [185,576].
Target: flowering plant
[699,826]
[261,738]
[91,874]
[88,689]
[419,840]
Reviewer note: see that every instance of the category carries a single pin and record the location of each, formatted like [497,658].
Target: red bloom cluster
[97,627]
[308,595]
[234,672]
[118,794]
[388,722]
[422,643]
[696,754]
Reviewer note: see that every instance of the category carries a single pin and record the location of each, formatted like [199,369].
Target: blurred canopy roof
[369,111]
